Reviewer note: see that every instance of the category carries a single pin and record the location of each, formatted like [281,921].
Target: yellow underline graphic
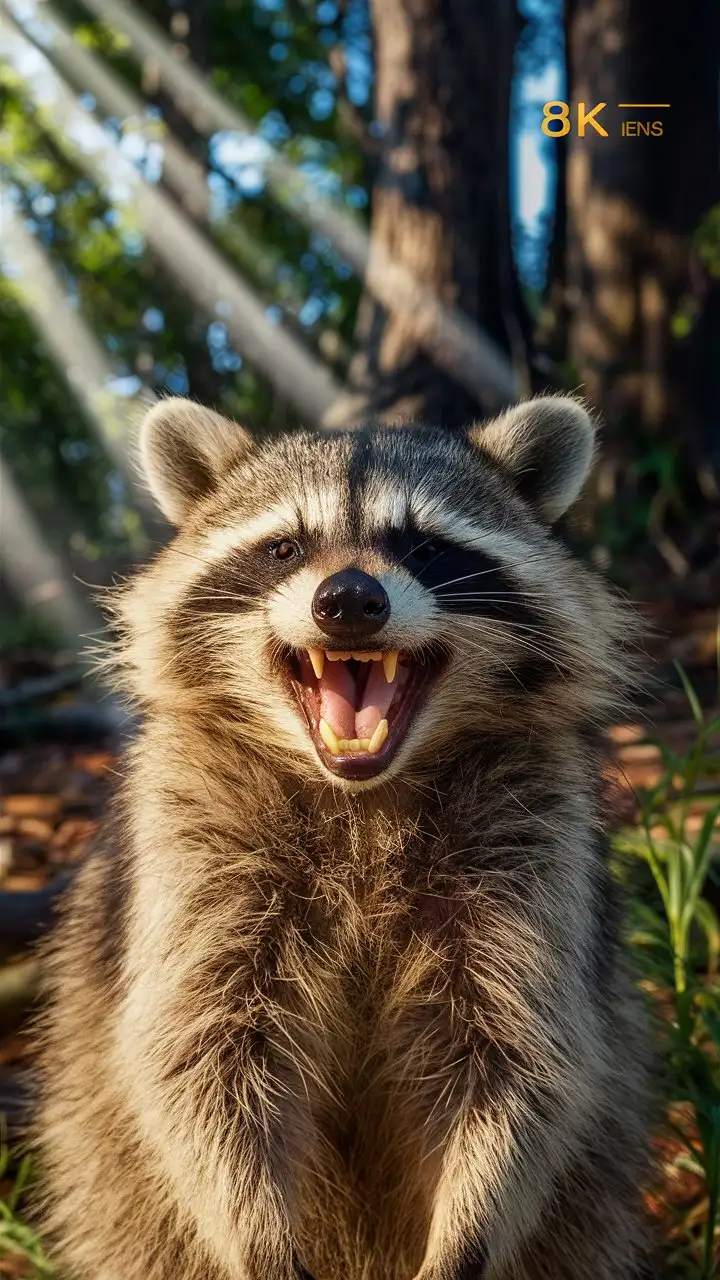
[654,105]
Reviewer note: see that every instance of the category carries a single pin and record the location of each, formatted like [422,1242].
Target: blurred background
[320,212]
[315,213]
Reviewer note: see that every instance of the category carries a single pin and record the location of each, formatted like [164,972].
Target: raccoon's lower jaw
[359,705]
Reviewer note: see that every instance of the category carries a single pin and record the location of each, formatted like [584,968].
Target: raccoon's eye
[426,550]
[286,549]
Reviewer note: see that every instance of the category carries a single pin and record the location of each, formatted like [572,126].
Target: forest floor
[58,757]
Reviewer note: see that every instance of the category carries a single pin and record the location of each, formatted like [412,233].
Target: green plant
[17,1239]
[675,928]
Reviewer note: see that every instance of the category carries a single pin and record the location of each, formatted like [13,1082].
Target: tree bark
[441,196]
[554,320]
[645,320]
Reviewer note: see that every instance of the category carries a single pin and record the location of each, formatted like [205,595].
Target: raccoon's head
[360,604]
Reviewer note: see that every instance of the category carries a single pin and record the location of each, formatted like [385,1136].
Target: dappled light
[81,358]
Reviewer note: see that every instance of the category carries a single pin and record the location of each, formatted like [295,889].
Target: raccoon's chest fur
[374,1023]
[353,981]
[370,1018]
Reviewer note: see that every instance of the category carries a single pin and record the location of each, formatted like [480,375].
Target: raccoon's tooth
[367,657]
[337,655]
[378,737]
[317,658]
[390,661]
[329,737]
[352,746]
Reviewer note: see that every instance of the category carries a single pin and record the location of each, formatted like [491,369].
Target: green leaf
[690,694]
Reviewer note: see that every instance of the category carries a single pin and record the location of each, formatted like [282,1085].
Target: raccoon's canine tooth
[390,661]
[317,658]
[378,737]
[327,733]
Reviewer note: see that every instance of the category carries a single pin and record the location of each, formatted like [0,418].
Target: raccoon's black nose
[350,603]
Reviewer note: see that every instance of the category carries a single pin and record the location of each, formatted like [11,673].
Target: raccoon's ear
[546,446]
[185,449]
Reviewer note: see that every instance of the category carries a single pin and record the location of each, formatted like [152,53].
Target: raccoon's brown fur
[300,1024]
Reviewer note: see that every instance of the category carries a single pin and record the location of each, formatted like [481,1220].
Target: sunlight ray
[184,251]
[454,341]
[72,345]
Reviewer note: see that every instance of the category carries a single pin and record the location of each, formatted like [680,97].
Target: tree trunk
[554,320]
[440,201]
[645,321]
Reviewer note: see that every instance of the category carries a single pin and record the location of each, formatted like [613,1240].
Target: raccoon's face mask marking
[364,601]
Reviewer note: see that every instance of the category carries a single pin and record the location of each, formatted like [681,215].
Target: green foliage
[18,1240]
[675,930]
[708,242]
[274,62]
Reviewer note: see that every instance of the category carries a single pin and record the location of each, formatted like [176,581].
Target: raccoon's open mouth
[359,705]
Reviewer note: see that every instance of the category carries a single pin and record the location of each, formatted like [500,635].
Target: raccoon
[339,995]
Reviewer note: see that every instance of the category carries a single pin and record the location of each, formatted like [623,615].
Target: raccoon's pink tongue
[337,698]
[376,699]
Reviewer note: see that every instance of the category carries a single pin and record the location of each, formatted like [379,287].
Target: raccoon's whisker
[198,582]
[495,627]
[222,595]
[469,620]
[208,613]
[480,573]
[540,653]
[421,788]
[500,659]
[189,556]
[519,593]
[560,643]
[483,572]
[511,596]
[416,548]
[239,600]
